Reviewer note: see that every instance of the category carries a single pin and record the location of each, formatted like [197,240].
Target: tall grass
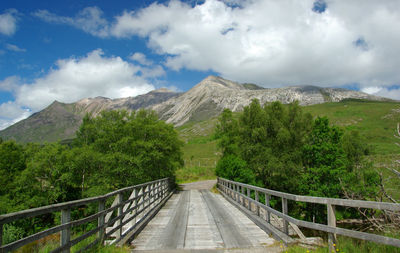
[346,244]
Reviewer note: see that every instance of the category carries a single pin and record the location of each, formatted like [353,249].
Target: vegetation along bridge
[154,217]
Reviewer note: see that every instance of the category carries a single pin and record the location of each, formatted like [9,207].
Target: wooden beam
[331,223]
[257,206]
[101,221]
[65,233]
[320,200]
[267,198]
[285,211]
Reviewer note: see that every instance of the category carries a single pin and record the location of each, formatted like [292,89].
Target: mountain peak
[213,78]
[162,90]
[216,81]
[55,102]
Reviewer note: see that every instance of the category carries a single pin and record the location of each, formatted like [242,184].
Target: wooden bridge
[153,217]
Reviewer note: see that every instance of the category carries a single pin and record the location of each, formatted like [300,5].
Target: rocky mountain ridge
[213,94]
[206,99]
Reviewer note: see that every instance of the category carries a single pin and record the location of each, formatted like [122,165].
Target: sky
[69,50]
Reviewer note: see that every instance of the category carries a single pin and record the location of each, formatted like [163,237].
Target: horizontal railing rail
[242,194]
[113,222]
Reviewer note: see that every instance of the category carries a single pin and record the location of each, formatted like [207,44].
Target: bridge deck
[196,218]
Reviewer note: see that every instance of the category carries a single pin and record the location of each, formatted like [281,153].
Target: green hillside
[376,121]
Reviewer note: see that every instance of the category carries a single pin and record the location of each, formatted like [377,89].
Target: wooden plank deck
[197,219]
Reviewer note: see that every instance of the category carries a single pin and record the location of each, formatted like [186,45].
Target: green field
[376,121]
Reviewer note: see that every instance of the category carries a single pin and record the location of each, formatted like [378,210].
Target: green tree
[47,178]
[135,147]
[324,160]
[268,139]
[226,132]
[12,163]
[233,168]
[271,138]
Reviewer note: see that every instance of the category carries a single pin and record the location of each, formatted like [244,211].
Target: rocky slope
[213,94]
[207,99]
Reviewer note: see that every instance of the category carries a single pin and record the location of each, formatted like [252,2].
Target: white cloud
[392,92]
[10,83]
[141,59]
[11,110]
[8,22]
[11,113]
[271,43]
[275,43]
[15,48]
[73,79]
[89,20]
[371,90]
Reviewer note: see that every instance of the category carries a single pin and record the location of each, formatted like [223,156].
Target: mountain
[208,98]
[59,121]
[213,94]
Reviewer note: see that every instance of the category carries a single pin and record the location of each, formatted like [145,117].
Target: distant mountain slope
[207,99]
[60,121]
[56,122]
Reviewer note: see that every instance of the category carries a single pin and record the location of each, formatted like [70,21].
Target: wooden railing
[242,194]
[113,222]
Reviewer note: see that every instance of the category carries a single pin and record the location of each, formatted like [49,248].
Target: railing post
[237,193]
[268,218]
[284,221]
[242,189]
[248,195]
[167,187]
[158,192]
[162,189]
[147,190]
[257,207]
[331,223]
[65,233]
[119,212]
[136,204]
[101,220]
[151,194]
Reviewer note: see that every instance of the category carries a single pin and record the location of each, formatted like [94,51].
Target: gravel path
[201,185]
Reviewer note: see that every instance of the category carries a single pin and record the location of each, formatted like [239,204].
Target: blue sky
[69,50]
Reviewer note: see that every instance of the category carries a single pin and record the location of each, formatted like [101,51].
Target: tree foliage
[282,148]
[135,147]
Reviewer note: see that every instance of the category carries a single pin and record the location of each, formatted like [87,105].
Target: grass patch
[349,245]
[193,174]
[111,249]
[215,189]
